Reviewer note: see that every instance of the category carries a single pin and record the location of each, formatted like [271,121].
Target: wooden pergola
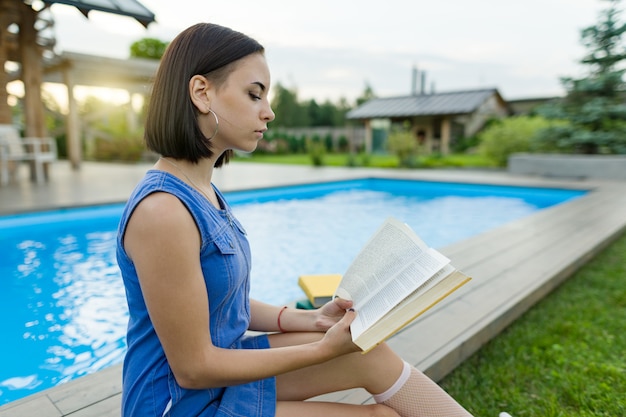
[135,75]
[21,42]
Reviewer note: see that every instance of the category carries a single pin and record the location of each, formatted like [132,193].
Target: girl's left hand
[331,312]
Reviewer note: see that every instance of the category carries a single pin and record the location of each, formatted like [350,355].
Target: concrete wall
[569,166]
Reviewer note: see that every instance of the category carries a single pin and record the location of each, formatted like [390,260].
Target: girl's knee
[381,410]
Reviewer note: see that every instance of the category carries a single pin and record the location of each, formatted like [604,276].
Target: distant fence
[355,135]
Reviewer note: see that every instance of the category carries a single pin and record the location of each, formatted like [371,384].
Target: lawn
[373,160]
[566,357]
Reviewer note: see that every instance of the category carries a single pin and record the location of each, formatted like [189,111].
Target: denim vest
[149,387]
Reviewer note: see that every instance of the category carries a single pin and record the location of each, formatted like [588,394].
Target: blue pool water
[62,299]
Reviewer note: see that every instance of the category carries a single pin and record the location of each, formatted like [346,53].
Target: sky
[332,49]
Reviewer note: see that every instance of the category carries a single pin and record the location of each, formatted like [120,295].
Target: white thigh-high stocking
[416,395]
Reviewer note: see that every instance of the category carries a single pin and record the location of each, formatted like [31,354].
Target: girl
[185,262]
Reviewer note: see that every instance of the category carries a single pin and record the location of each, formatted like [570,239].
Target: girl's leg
[376,371]
[336,375]
[328,409]
[414,394]
[381,372]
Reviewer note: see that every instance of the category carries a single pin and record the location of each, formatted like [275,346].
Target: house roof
[135,74]
[439,104]
[130,8]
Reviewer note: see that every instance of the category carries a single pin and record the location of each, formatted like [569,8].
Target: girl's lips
[260,133]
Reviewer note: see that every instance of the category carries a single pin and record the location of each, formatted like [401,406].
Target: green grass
[381,161]
[566,357]
[373,160]
[455,160]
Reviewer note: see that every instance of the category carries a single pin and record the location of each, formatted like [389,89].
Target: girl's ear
[199,87]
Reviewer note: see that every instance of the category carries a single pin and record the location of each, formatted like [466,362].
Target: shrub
[296,145]
[404,145]
[328,142]
[127,147]
[316,150]
[343,144]
[464,144]
[61,141]
[351,160]
[510,135]
[366,159]
[114,137]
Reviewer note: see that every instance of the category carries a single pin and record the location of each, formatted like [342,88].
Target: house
[437,119]
[527,106]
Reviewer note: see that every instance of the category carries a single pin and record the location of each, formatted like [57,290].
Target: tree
[342,107]
[315,113]
[594,105]
[289,112]
[326,114]
[150,48]
[367,95]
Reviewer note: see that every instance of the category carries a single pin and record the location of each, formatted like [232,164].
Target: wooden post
[430,138]
[446,128]
[7,14]
[74,150]
[368,136]
[32,76]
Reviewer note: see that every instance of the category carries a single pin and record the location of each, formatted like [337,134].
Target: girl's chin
[248,149]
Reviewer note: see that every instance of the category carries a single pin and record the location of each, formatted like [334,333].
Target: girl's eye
[254,96]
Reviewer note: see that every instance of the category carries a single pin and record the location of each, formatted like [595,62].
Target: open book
[395,278]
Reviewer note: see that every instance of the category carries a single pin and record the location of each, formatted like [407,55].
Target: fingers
[344,325]
[331,313]
[343,303]
[351,315]
[348,318]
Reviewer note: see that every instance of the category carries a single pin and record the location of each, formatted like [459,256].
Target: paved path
[513,266]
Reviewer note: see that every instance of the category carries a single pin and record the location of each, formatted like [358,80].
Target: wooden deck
[513,267]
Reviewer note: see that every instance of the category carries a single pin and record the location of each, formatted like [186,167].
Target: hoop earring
[217,124]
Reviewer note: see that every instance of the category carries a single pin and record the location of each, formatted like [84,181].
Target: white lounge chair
[13,150]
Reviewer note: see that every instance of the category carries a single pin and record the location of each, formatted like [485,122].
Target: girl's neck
[198,176]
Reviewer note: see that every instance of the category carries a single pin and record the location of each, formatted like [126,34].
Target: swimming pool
[63,301]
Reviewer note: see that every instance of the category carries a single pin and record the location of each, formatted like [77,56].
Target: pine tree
[594,106]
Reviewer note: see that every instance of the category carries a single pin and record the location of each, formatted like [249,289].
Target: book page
[415,274]
[427,296]
[378,258]
[393,264]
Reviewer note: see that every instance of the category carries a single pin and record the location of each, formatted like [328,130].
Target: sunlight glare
[115,96]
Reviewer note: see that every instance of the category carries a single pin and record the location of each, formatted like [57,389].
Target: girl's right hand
[330,313]
[339,338]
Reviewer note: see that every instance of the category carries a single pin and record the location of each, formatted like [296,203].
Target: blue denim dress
[149,386]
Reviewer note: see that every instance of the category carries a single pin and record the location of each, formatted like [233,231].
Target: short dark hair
[171,122]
